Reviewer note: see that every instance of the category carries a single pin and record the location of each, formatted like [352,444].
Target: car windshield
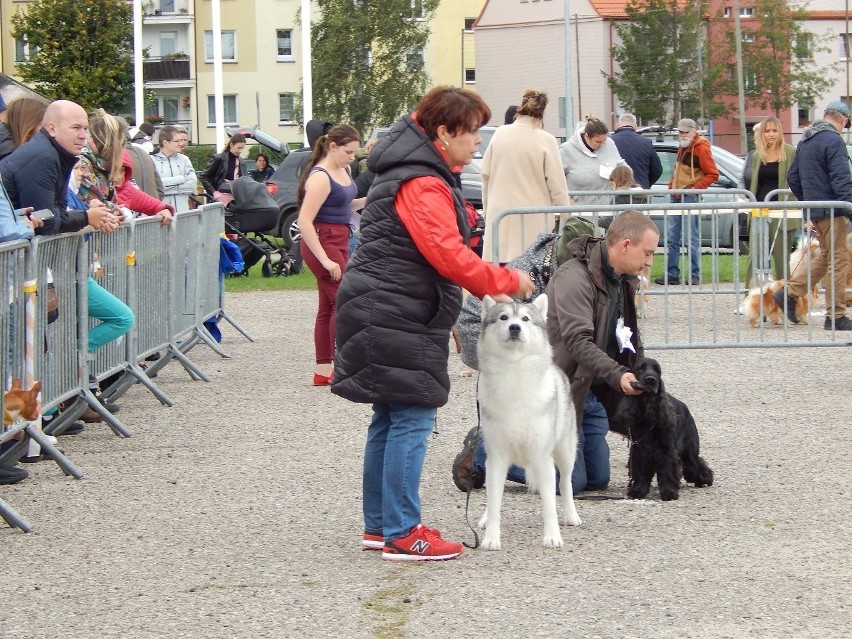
[485,133]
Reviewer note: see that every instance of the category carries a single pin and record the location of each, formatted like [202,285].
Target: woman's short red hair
[459,110]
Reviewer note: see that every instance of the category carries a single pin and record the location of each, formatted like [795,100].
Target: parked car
[275,149]
[731,225]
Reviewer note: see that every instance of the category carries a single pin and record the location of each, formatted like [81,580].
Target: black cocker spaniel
[663,437]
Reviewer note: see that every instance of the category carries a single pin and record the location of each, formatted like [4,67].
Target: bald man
[36,173]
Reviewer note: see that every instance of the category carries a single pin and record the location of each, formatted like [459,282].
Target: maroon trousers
[334,239]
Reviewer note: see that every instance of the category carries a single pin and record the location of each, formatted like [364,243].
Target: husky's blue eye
[526,318]
[504,317]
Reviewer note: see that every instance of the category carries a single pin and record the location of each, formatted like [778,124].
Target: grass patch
[255,281]
[305,280]
[725,267]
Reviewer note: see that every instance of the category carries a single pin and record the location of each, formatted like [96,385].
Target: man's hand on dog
[630,385]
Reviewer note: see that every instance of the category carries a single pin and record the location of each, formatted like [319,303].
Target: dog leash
[470,478]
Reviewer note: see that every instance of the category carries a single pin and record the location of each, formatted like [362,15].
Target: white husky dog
[527,415]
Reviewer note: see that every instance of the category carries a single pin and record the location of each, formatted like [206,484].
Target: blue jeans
[676,240]
[393,460]
[591,468]
[115,316]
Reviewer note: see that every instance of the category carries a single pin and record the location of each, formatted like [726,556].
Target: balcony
[165,10]
[170,67]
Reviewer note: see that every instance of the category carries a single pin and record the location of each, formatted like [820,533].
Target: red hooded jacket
[134,198]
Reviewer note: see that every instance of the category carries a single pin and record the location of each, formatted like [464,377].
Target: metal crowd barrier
[167,275]
[706,315]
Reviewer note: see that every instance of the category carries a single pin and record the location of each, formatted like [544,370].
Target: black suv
[284,183]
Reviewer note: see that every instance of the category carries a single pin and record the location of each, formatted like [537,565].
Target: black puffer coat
[394,310]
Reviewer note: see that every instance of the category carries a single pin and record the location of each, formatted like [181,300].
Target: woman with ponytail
[326,199]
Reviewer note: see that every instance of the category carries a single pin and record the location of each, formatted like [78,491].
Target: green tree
[778,63]
[80,50]
[368,59]
[658,60]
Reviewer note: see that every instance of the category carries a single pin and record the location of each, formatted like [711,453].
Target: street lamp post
[569,89]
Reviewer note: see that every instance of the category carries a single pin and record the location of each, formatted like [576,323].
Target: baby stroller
[252,214]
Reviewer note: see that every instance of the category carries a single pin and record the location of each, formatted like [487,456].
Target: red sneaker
[373,541]
[421,544]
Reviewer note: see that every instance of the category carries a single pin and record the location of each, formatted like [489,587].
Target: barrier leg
[117,427]
[223,315]
[13,518]
[140,376]
[55,454]
[175,351]
[132,374]
[208,339]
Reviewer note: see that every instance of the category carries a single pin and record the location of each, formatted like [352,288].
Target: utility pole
[569,87]
[740,88]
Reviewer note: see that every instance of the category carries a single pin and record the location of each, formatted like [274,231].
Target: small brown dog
[21,404]
[759,302]
[806,250]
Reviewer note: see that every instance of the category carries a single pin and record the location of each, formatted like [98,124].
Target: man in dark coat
[37,173]
[638,151]
[820,171]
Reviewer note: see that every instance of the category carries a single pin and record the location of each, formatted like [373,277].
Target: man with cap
[820,171]
[694,169]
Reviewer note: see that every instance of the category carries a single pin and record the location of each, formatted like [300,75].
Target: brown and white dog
[806,250]
[759,303]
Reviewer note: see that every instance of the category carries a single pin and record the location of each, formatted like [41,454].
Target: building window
[805,114]
[168,42]
[469,76]
[414,61]
[844,45]
[748,37]
[749,81]
[229,46]
[415,9]
[171,112]
[287,108]
[746,12]
[468,24]
[804,46]
[284,38]
[230,104]
[22,50]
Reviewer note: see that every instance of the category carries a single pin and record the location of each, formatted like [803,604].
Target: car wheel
[289,229]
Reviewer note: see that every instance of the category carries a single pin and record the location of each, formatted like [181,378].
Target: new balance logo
[420,546]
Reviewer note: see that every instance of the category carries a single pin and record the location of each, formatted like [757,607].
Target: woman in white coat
[175,169]
[588,157]
[521,168]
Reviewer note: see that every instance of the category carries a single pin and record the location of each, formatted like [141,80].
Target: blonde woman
[521,167]
[766,170]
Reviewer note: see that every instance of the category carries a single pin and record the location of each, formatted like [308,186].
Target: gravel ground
[236,513]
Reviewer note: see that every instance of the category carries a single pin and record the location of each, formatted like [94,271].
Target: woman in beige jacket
[521,168]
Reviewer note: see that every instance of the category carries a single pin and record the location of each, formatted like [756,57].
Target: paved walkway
[236,514]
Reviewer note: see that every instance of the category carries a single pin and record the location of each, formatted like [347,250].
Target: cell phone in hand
[42,214]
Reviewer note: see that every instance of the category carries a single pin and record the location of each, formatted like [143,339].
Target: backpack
[573,228]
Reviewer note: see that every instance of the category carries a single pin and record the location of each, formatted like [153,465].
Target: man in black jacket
[37,173]
[820,171]
[638,151]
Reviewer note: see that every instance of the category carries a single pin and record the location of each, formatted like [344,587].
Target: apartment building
[521,43]
[261,59]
